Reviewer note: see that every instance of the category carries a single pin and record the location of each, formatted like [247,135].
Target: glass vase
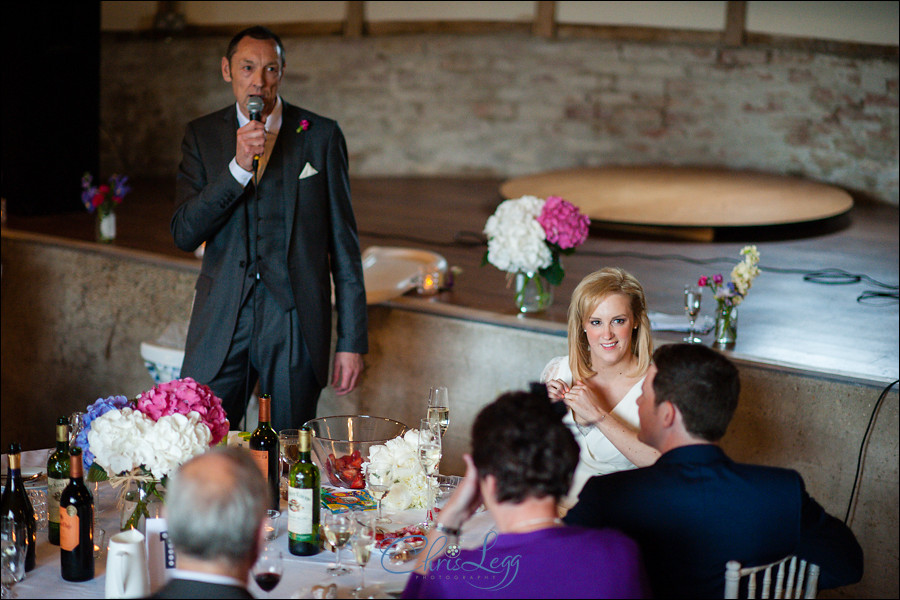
[141,500]
[726,326]
[106,225]
[533,292]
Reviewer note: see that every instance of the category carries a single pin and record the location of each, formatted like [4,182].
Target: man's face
[255,69]
[647,410]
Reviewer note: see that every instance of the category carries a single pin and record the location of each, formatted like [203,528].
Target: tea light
[429,282]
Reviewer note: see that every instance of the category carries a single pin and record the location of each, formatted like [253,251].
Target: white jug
[126,566]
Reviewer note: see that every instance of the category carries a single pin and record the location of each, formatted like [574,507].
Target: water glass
[271,523]
[14,538]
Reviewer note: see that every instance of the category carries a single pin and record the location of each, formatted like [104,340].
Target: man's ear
[668,413]
[226,69]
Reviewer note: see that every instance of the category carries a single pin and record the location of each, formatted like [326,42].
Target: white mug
[126,566]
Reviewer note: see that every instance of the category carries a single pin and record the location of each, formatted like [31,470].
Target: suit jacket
[322,241]
[187,588]
[696,509]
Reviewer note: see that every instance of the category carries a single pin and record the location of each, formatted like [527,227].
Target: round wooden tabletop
[685,196]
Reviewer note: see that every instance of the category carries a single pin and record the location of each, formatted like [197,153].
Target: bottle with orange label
[76,524]
[264,448]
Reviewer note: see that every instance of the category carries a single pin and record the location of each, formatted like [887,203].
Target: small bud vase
[726,327]
[533,292]
[106,225]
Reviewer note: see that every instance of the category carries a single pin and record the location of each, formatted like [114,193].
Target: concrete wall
[73,317]
[508,104]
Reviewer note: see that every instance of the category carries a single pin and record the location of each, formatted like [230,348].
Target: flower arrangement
[742,275]
[145,440]
[396,461]
[104,197]
[528,234]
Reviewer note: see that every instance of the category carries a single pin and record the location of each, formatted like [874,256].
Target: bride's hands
[556,389]
[584,404]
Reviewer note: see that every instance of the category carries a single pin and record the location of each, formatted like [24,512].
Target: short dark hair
[257,32]
[702,383]
[521,440]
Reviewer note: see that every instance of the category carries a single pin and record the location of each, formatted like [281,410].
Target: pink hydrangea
[183,396]
[563,223]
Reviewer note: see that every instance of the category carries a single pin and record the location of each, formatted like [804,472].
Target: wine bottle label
[68,528]
[300,511]
[55,488]
[261,457]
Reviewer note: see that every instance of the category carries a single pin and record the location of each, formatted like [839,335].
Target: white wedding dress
[598,455]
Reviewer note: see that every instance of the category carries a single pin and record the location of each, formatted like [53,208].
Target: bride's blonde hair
[590,292]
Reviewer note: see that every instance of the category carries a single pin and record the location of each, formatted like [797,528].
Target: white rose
[398,498]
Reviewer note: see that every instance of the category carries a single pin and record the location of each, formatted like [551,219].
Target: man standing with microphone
[265,184]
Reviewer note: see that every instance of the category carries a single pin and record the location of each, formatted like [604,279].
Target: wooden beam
[355,19]
[545,19]
[735,23]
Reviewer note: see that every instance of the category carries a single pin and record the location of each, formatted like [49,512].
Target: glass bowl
[340,444]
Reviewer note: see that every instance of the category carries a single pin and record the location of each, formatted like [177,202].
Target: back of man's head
[521,440]
[702,383]
[215,504]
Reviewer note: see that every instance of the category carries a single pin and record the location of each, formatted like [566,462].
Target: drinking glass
[362,542]
[270,524]
[338,528]
[378,485]
[692,296]
[268,569]
[289,454]
[429,448]
[439,407]
[13,535]
[76,425]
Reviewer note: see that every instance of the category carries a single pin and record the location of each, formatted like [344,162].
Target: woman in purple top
[522,461]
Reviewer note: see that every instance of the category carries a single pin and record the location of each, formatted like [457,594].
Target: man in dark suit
[695,509]
[215,507]
[271,200]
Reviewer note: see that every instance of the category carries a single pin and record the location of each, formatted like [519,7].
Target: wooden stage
[818,325]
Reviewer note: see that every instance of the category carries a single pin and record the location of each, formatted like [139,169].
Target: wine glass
[13,538]
[692,296]
[439,407]
[338,528]
[429,447]
[289,454]
[379,486]
[268,569]
[362,542]
[76,425]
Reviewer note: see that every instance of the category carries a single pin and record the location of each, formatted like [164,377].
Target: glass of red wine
[268,569]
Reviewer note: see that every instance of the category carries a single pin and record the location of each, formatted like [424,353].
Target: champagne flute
[439,407]
[268,569]
[76,425]
[378,486]
[429,457]
[692,296]
[362,542]
[338,528]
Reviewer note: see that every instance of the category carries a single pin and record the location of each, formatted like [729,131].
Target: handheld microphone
[255,105]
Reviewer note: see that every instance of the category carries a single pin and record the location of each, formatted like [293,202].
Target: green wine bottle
[303,501]
[264,448]
[57,477]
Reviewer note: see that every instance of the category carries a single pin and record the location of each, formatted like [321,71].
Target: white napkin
[663,322]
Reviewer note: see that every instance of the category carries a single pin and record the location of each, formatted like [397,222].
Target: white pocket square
[308,171]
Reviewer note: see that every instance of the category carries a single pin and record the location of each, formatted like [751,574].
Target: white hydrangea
[516,241]
[175,439]
[396,462]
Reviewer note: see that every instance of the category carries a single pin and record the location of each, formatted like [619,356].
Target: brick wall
[511,104]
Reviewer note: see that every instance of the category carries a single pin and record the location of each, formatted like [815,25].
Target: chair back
[790,581]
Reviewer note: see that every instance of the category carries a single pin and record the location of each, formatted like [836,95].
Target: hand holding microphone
[251,138]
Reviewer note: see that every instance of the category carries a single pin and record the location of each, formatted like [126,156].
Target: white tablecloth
[300,573]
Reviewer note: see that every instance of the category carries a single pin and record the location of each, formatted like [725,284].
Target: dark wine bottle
[16,504]
[303,501]
[264,448]
[76,524]
[57,477]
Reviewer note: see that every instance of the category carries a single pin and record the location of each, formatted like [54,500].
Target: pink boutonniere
[304,125]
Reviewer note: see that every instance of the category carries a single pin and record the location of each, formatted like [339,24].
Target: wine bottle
[264,448]
[57,477]
[16,504]
[76,524]
[303,501]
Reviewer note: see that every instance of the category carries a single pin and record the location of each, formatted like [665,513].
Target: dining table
[303,577]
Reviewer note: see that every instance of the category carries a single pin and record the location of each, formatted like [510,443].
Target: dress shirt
[273,126]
